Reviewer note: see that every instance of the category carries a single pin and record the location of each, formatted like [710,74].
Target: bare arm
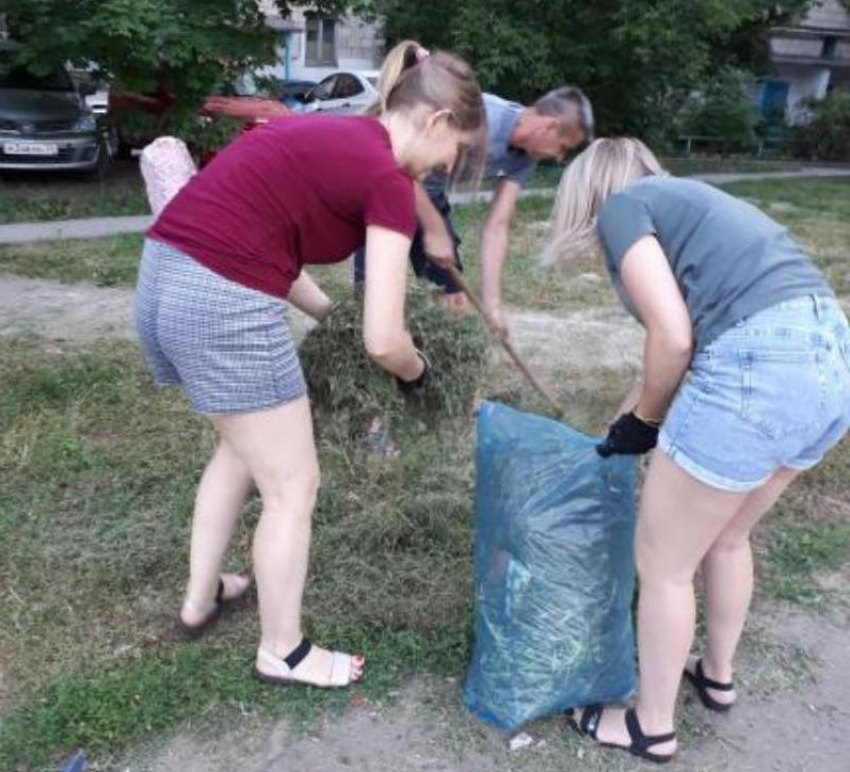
[494,248]
[669,334]
[439,245]
[307,296]
[387,341]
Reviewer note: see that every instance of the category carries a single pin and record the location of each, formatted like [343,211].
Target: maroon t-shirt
[297,190]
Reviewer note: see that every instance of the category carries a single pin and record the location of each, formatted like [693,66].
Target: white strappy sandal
[282,669]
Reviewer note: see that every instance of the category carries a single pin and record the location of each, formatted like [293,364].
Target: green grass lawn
[53,196]
[731,165]
[98,472]
[816,211]
[40,197]
[98,476]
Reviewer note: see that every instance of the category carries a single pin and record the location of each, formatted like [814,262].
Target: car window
[14,76]
[325,88]
[347,86]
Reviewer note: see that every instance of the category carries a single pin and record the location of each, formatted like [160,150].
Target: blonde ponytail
[401,58]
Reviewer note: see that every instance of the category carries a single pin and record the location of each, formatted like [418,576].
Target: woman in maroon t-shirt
[217,264]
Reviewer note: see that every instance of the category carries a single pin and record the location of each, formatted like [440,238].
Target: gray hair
[570,105]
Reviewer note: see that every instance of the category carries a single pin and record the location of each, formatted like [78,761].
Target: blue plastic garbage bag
[554,571]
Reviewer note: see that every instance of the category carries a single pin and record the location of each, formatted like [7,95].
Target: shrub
[827,134]
[723,110]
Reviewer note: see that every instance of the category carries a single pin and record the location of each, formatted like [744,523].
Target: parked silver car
[44,121]
[342,93]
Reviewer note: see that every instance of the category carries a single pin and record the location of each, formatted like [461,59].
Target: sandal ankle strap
[640,741]
[708,683]
[297,655]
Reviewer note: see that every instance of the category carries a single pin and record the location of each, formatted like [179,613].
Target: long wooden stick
[457,278]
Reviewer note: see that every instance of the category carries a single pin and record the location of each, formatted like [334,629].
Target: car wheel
[104,161]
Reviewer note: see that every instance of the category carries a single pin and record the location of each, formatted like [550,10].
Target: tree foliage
[187,47]
[827,134]
[721,109]
[639,60]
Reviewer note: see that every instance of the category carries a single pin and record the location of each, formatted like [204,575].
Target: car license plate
[30,148]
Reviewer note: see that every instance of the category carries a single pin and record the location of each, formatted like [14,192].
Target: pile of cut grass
[349,391]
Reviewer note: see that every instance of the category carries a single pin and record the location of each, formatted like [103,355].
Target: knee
[656,565]
[294,493]
[730,542]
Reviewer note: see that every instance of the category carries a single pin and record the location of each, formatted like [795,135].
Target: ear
[552,125]
[438,118]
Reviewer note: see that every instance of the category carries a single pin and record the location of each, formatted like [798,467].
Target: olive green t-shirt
[730,259]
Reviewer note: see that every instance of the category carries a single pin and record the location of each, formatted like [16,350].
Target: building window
[829,44]
[321,41]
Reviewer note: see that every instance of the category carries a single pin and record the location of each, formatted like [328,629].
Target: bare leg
[727,572]
[277,448]
[680,518]
[221,494]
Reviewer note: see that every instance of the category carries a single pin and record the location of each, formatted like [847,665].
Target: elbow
[674,344]
[681,345]
[380,348]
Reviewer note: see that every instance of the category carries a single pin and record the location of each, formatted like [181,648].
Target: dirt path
[427,729]
[77,313]
[82,313]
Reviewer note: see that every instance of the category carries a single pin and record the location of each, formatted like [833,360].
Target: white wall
[828,13]
[805,83]
[359,46]
[811,77]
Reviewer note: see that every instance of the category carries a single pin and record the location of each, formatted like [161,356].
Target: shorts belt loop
[819,309]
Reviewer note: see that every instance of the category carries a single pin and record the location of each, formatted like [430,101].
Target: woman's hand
[408,387]
[629,435]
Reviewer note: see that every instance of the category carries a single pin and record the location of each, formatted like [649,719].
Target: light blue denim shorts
[771,392]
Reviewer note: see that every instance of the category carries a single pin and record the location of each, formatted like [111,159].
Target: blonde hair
[401,57]
[411,76]
[603,169]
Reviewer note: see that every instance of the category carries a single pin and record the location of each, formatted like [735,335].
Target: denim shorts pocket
[782,390]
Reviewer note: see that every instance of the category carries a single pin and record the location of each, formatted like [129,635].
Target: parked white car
[342,93]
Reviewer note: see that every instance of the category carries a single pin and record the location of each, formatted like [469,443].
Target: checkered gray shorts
[228,346]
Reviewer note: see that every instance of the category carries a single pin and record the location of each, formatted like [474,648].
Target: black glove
[407,387]
[630,436]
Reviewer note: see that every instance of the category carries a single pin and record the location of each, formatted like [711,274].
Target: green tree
[639,60]
[827,132]
[722,109]
[187,47]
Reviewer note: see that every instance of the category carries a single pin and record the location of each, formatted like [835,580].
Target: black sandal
[193,632]
[641,743]
[702,684]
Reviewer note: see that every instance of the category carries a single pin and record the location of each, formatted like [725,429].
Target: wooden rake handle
[457,278]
